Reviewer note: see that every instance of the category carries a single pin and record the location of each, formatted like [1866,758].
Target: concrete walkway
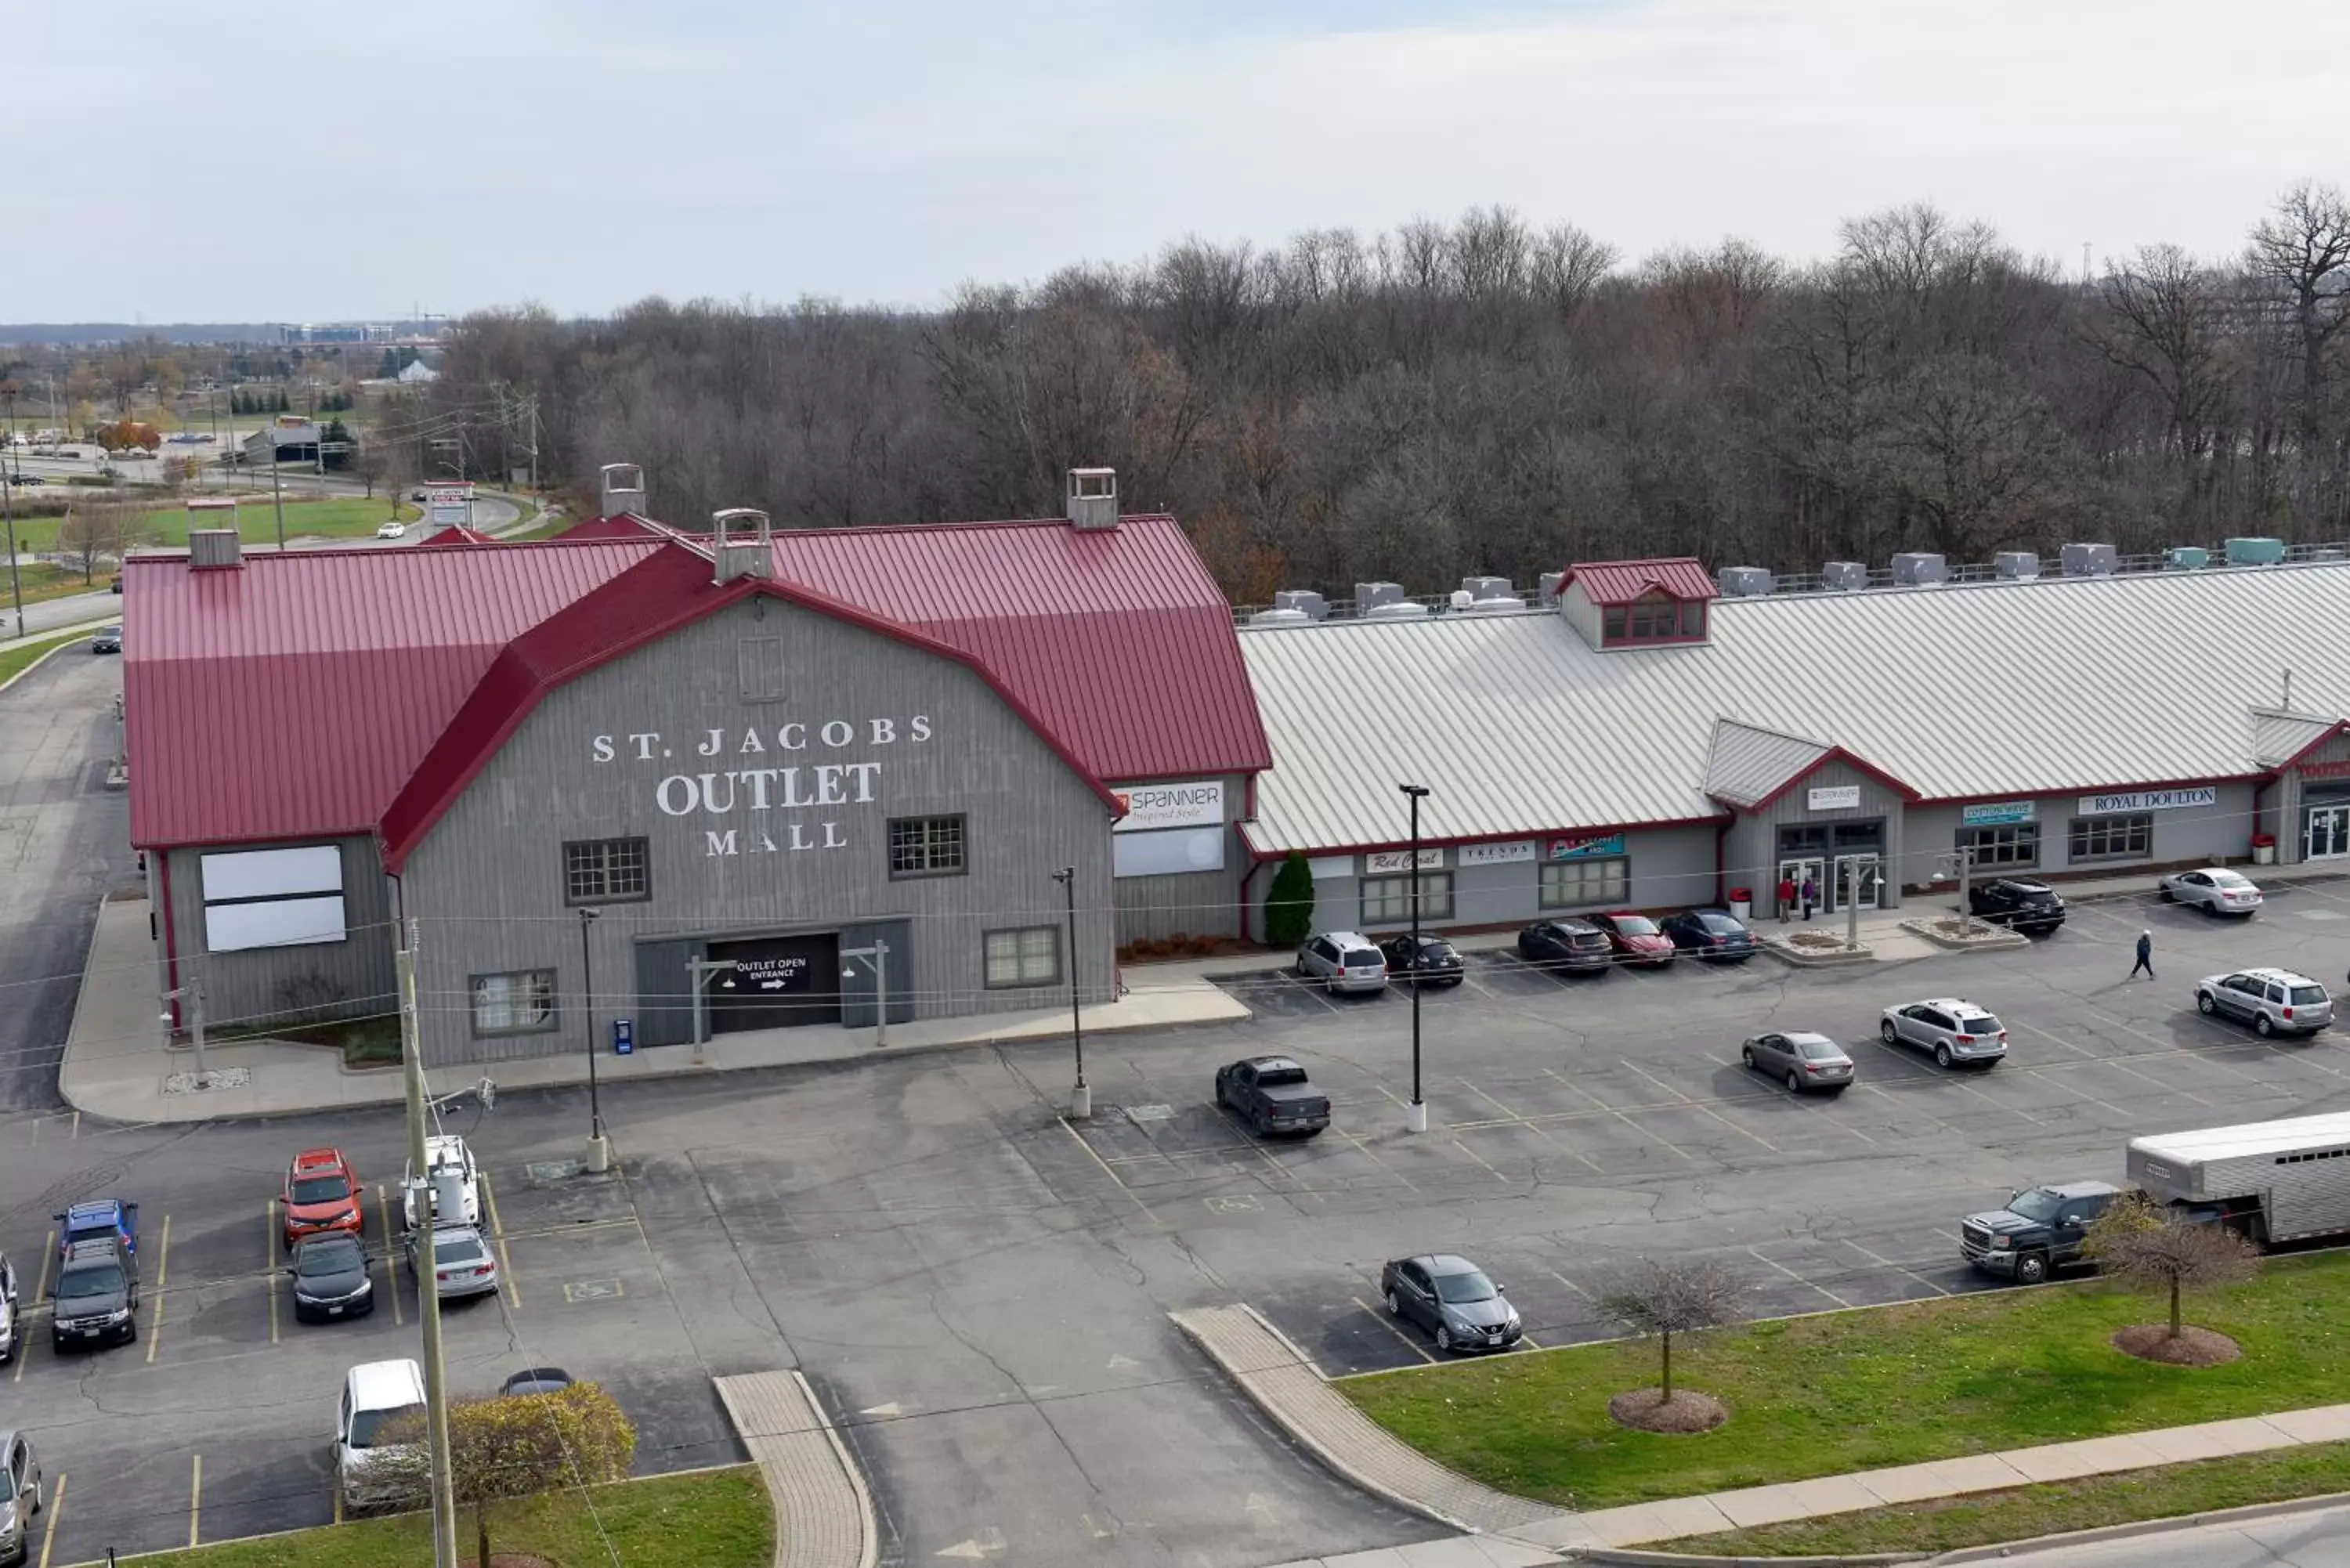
[823,1515]
[118,1065]
[1285,1384]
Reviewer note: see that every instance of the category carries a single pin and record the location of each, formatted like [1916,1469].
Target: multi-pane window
[1029,956]
[1654,618]
[926,846]
[607,871]
[2008,844]
[1582,883]
[2129,837]
[1389,899]
[518,1004]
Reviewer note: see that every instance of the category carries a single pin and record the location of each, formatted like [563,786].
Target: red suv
[322,1193]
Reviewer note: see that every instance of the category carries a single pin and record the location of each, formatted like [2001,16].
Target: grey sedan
[462,1263]
[1803,1061]
[1452,1298]
[2214,890]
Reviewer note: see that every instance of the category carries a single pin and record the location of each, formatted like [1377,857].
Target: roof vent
[1281,618]
[624,489]
[1744,582]
[2255,552]
[1919,569]
[1398,609]
[2015,565]
[1845,576]
[731,553]
[2185,559]
[213,550]
[1486,587]
[2089,560]
[1369,597]
[1504,604]
[1092,499]
[1305,601]
[1550,582]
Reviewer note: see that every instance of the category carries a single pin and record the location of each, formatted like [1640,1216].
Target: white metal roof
[2250,1140]
[1518,726]
[1749,763]
[2279,737]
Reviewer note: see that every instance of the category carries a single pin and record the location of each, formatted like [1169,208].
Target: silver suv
[1954,1029]
[20,1496]
[1344,961]
[2273,1000]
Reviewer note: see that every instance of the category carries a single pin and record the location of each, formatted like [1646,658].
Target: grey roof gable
[1748,763]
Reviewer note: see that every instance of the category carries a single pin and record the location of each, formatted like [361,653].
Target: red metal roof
[455,534]
[1621,582]
[302,695]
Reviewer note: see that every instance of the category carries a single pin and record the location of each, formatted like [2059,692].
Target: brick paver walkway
[823,1517]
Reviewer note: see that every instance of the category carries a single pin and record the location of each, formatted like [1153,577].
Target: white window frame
[513,994]
[1379,892]
[1615,875]
[1009,957]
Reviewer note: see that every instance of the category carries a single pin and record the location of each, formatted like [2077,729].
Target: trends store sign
[775,791]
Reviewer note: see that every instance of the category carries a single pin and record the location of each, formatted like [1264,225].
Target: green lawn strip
[713,1519]
[2166,1492]
[1855,1391]
[47,580]
[364,1041]
[16,658]
[341,516]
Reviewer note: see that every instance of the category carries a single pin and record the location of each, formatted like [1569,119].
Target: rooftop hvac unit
[2089,560]
[1845,576]
[1485,587]
[1744,582]
[1461,599]
[1281,618]
[1919,569]
[1500,604]
[1371,596]
[2330,553]
[2255,552]
[1402,609]
[1304,600]
[1550,581]
[2185,559]
[2015,565]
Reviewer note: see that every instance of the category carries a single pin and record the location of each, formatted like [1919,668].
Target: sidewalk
[1288,1388]
[117,1065]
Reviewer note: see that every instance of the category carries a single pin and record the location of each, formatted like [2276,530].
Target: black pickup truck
[1273,1095]
[2039,1231]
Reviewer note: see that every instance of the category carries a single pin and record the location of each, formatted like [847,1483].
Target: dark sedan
[330,1278]
[1566,944]
[1419,958]
[1452,1298]
[1715,935]
[1635,939]
[2026,906]
[534,1380]
[106,640]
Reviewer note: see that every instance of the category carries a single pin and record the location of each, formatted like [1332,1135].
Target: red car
[1634,938]
[322,1194]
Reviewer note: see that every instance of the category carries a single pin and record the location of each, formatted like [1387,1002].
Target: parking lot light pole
[1081,1096]
[599,1152]
[1415,1115]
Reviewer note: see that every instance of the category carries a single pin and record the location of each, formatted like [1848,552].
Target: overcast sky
[171,161]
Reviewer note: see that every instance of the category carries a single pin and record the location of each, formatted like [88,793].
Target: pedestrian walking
[2145,956]
[1787,900]
[1811,897]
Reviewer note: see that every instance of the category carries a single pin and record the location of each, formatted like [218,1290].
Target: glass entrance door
[2329,833]
[1798,871]
[1856,881]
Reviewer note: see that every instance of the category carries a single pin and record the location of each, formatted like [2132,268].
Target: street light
[600,1153]
[1415,1115]
[1081,1097]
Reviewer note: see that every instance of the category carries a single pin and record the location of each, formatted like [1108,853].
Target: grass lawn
[364,1041]
[341,517]
[47,580]
[1821,1395]
[2169,1491]
[716,1518]
[14,657]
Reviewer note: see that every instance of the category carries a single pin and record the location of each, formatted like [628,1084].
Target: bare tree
[99,532]
[2303,250]
[1666,1296]
[2154,1245]
[2166,321]
[513,1447]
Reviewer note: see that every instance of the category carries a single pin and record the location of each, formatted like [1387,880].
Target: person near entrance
[1787,900]
[1811,897]
[2145,956]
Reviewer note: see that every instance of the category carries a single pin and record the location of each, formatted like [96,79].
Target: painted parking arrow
[892,1408]
[988,1542]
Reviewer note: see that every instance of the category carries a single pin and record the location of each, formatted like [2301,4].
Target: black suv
[2026,906]
[1419,958]
[95,1295]
[1565,944]
[2039,1231]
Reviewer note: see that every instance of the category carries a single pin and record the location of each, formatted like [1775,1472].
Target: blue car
[97,1219]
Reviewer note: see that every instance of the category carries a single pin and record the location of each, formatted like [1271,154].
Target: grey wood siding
[1199,904]
[2282,806]
[1752,850]
[487,881]
[350,979]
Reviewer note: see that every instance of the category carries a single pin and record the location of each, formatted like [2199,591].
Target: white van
[375,1395]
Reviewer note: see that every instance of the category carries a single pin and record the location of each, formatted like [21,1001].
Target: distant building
[418,374]
[294,439]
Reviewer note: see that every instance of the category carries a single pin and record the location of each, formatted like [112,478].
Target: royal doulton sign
[768,782]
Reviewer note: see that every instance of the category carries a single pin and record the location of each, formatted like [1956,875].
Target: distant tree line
[1489,396]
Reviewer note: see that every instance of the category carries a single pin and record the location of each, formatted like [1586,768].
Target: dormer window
[1637,604]
[1652,618]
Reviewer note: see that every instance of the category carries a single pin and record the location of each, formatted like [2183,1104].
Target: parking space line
[391,1258]
[1250,1144]
[1354,1139]
[1517,1120]
[1390,1324]
[506,1259]
[162,1273]
[269,1219]
[1095,1155]
[1320,993]
[336,1488]
[196,1497]
[1480,1160]
[1808,1285]
[1699,1105]
[57,1505]
[1619,1116]
[40,1293]
[1887,1263]
[2002,1105]
[1570,1285]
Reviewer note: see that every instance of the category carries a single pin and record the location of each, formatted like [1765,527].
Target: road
[2315,1539]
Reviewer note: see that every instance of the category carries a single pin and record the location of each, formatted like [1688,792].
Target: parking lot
[978,1288]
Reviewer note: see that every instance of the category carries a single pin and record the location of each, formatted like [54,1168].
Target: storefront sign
[2148,800]
[1497,853]
[1568,847]
[1149,806]
[1998,813]
[1389,862]
[2325,770]
[1834,797]
[755,797]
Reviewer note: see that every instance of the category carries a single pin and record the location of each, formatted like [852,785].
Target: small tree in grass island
[1665,1296]
[2150,1244]
[1289,907]
[515,1447]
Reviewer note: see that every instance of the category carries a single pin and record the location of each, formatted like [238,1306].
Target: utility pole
[1415,1115]
[1081,1096]
[877,956]
[8,508]
[192,994]
[276,486]
[428,1293]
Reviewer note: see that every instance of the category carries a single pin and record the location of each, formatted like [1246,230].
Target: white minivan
[375,1395]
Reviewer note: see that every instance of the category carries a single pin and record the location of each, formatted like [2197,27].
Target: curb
[869,1542]
[1995,939]
[72,634]
[1633,1557]
[1835,959]
[2245,1515]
